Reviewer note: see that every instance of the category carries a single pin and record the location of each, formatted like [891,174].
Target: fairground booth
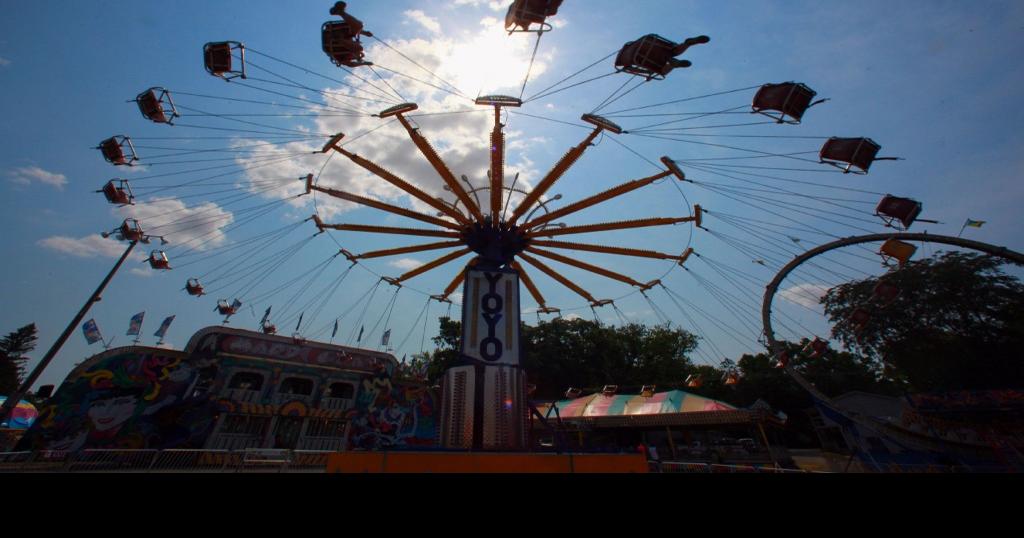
[231,390]
[680,427]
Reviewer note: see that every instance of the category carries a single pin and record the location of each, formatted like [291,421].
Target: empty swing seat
[193,287]
[158,260]
[113,150]
[118,193]
[790,99]
[217,57]
[894,249]
[846,153]
[894,208]
[522,13]
[131,230]
[156,107]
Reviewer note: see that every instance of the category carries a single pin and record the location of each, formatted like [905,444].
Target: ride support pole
[13,399]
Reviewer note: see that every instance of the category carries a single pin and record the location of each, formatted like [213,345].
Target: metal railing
[166,461]
[716,468]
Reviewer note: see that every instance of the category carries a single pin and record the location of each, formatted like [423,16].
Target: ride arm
[442,169]
[387,230]
[355,198]
[607,226]
[598,198]
[408,250]
[434,264]
[621,251]
[585,266]
[556,172]
[528,282]
[555,275]
[409,188]
[497,165]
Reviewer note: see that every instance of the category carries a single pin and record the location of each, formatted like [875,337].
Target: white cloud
[808,295]
[200,226]
[572,317]
[4,62]
[423,20]
[27,175]
[494,5]
[89,246]
[405,264]
[146,273]
[487,58]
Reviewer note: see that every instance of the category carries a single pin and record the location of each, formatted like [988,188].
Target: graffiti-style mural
[148,398]
[393,415]
[126,400]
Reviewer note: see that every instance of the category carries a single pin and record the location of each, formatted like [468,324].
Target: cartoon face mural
[125,400]
[110,411]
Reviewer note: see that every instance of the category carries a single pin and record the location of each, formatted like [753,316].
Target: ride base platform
[483,462]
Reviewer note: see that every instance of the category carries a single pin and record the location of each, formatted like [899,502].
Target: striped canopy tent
[673,401]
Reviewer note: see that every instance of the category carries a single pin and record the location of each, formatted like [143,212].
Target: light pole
[13,399]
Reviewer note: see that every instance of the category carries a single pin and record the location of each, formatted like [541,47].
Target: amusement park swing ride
[509,234]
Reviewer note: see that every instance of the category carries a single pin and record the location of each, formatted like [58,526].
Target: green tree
[958,323]
[13,348]
[582,353]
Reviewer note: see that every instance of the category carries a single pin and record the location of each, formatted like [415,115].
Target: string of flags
[91,330]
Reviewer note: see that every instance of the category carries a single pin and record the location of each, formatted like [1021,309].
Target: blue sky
[936,83]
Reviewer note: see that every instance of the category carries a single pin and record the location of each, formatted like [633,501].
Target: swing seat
[522,13]
[269,328]
[782,360]
[341,43]
[894,208]
[113,150]
[816,347]
[219,62]
[131,230]
[156,105]
[731,378]
[158,260]
[694,381]
[894,249]
[649,56]
[846,153]
[118,193]
[885,293]
[790,99]
[226,309]
[193,287]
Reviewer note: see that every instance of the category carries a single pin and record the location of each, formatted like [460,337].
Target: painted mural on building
[391,415]
[128,400]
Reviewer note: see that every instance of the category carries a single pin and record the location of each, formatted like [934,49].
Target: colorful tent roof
[673,401]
